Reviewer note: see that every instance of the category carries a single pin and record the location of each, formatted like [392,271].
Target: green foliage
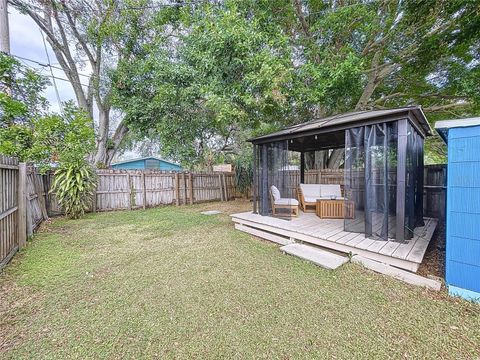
[226,77]
[28,132]
[203,75]
[62,139]
[243,175]
[67,140]
[23,100]
[74,185]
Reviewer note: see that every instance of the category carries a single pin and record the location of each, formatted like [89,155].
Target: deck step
[281,240]
[317,256]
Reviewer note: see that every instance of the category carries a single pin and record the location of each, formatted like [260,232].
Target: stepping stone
[211,212]
[317,256]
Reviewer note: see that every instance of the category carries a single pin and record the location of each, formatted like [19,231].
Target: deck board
[347,238]
[307,227]
[356,240]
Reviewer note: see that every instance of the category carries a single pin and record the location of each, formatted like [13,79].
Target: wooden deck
[329,233]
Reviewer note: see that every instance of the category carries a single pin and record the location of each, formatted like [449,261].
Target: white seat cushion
[310,190]
[311,199]
[291,202]
[275,193]
[328,190]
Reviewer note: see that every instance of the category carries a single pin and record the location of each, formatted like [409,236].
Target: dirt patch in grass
[172,283]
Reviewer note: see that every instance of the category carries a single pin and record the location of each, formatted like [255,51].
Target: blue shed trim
[464,293]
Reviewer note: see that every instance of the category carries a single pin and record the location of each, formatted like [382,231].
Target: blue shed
[150,162]
[462,266]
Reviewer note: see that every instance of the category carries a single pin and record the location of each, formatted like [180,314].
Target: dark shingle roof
[351,118]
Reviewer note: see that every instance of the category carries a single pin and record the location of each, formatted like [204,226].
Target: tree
[205,82]
[80,34]
[21,101]
[393,53]
[235,68]
[28,131]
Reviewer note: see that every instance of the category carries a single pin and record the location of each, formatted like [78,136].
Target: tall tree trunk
[335,159]
[117,138]
[102,137]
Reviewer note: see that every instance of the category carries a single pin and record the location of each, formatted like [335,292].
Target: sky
[26,41]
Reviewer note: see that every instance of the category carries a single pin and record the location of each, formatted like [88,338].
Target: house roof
[443,126]
[348,120]
[144,158]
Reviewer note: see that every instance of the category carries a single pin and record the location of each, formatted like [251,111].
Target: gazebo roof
[349,120]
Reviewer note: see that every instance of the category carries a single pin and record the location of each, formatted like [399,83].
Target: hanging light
[316,137]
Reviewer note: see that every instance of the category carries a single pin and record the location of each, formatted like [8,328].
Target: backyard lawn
[172,283]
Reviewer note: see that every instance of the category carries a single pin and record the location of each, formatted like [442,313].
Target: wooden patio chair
[278,202]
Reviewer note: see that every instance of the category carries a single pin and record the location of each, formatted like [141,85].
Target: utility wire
[56,77]
[46,65]
[51,70]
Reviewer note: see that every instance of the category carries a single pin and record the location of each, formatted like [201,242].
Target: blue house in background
[150,162]
[462,267]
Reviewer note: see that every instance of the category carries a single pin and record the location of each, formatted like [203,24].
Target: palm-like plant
[74,185]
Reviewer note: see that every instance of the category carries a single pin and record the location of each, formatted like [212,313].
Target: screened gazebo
[379,183]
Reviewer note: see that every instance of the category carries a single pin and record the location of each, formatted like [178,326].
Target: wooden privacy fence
[133,189]
[435,191]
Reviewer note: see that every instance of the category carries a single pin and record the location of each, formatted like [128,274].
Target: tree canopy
[29,131]
[211,74]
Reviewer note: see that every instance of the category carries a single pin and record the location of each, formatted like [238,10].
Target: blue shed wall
[140,164]
[137,164]
[463,210]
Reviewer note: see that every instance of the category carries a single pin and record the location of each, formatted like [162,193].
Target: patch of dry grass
[171,283]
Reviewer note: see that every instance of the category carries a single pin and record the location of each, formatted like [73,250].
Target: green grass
[171,283]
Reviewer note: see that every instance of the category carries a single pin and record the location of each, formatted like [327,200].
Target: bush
[243,175]
[74,185]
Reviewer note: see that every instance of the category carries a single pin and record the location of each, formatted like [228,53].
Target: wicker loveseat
[308,194]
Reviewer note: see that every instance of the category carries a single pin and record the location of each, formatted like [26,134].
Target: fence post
[40,190]
[28,195]
[190,181]
[22,205]
[94,197]
[220,186]
[177,189]
[184,177]
[144,190]
[225,187]
[129,184]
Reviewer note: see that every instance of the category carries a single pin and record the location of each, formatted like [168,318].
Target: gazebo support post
[302,167]
[255,180]
[263,193]
[401,179]
[368,186]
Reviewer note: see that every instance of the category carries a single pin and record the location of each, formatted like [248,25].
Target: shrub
[243,175]
[74,185]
